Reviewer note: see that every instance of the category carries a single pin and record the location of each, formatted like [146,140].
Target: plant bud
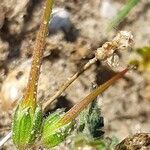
[26,126]
[53,131]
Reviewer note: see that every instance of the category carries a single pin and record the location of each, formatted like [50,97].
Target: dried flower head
[122,40]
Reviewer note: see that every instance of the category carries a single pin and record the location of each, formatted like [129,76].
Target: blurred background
[76,30]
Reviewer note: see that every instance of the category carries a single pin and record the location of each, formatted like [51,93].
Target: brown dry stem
[122,40]
[76,109]
[68,82]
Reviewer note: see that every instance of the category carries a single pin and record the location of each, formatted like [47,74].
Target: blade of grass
[122,14]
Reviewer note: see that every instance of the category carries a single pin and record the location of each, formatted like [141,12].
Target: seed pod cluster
[26,126]
[122,40]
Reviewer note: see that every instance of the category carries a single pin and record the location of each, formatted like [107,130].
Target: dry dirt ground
[125,106]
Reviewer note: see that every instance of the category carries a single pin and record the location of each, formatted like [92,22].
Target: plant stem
[122,14]
[76,109]
[31,91]
[68,82]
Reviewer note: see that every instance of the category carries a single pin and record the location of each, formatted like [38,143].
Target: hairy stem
[31,91]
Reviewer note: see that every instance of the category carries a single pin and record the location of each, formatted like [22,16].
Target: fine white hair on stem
[5,139]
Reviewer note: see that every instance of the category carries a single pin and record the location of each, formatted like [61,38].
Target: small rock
[60,20]
[14,85]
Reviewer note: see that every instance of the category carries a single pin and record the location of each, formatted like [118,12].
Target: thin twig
[5,139]
[68,82]
[122,39]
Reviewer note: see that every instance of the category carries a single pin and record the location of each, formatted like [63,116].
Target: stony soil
[125,106]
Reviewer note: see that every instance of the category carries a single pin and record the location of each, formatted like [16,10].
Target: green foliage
[91,121]
[94,120]
[89,130]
